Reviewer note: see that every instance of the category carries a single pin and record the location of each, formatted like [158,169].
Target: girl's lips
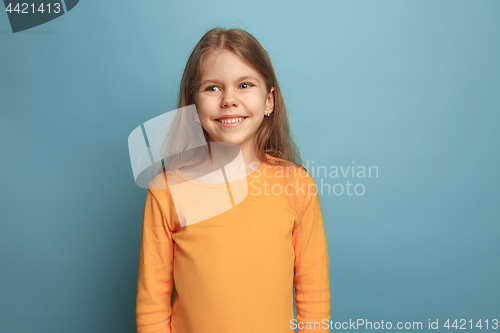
[231,124]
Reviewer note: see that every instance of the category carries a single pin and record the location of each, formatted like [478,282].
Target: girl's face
[232,91]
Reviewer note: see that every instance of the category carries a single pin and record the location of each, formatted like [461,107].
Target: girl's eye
[246,84]
[211,88]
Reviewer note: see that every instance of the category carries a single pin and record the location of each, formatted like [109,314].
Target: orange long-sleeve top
[235,272]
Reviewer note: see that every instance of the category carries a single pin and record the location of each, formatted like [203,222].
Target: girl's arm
[155,280]
[311,278]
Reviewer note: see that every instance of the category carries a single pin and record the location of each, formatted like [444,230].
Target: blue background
[411,87]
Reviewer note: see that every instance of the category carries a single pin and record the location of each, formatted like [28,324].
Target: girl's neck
[250,159]
[252,162]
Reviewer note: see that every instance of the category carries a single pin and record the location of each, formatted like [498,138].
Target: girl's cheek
[198,102]
[201,108]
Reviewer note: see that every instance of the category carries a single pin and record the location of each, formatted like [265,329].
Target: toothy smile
[231,120]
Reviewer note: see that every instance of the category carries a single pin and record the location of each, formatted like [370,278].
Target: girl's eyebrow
[246,77]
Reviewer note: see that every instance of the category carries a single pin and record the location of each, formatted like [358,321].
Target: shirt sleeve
[311,277]
[155,279]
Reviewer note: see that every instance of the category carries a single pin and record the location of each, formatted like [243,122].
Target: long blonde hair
[273,136]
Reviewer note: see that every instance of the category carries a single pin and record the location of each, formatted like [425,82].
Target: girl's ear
[270,101]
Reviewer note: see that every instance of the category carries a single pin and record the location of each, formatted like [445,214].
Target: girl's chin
[232,140]
[222,140]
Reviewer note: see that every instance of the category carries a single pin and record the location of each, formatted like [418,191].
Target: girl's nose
[229,99]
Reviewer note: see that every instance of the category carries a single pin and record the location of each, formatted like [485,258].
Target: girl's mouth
[231,122]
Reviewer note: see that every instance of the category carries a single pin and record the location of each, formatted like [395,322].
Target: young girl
[235,270]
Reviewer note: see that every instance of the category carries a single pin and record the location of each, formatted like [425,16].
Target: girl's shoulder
[159,182]
[289,169]
[166,179]
[280,161]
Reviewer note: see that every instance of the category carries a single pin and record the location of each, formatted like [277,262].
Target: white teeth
[232,120]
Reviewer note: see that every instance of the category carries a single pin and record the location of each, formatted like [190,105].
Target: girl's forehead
[224,57]
[219,52]
[226,63]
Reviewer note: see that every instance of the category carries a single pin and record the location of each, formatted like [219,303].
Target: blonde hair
[273,136]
